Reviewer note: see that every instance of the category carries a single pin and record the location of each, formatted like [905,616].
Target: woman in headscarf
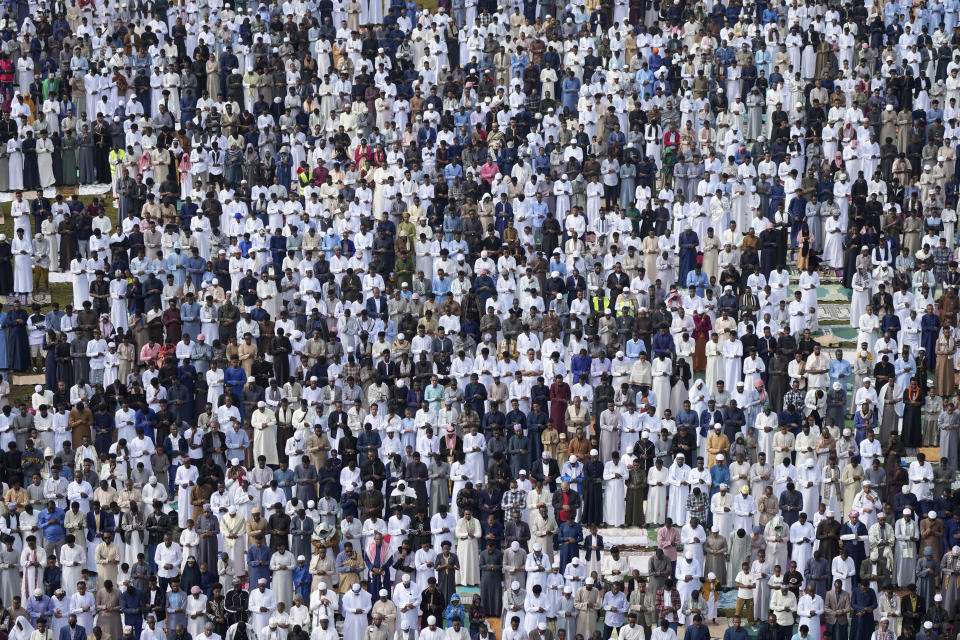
[453,610]
[21,630]
[701,333]
[190,576]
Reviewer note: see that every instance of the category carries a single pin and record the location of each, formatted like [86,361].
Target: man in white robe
[798,315]
[185,478]
[662,369]
[802,535]
[83,605]
[679,489]
[732,350]
[721,506]
[282,563]
[264,423]
[406,596]
[921,474]
[658,477]
[614,491]
[22,249]
[809,609]
[808,481]
[262,604]
[324,630]
[32,559]
[744,509]
[689,574]
[356,606]
[73,558]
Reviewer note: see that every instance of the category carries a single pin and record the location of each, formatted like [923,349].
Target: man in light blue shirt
[441,284]
[614,608]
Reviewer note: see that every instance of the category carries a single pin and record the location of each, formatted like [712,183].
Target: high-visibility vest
[304,178]
[116,159]
[626,307]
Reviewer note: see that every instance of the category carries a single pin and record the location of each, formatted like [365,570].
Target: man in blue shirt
[39,606]
[614,608]
[441,284]
[840,369]
[50,522]
[736,632]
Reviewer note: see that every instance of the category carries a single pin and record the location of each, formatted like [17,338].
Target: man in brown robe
[108,610]
[80,420]
[949,306]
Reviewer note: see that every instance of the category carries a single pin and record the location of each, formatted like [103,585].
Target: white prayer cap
[356,587]
[717,425]
[907,511]
[38,389]
[688,554]
[515,585]
[720,457]
[383,592]
[432,620]
[568,589]
[542,625]
[932,515]
[537,546]
[711,576]
[235,461]
[589,581]
[594,452]
[514,546]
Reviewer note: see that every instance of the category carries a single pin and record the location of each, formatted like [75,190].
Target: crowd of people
[389,314]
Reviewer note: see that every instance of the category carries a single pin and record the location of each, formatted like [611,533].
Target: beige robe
[587,603]
[107,557]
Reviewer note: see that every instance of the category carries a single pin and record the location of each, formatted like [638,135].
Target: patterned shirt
[697,506]
[514,500]
[793,397]
[674,602]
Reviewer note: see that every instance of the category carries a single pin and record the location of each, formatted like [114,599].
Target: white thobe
[261,600]
[810,608]
[802,551]
[694,570]
[614,493]
[407,596]
[356,606]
